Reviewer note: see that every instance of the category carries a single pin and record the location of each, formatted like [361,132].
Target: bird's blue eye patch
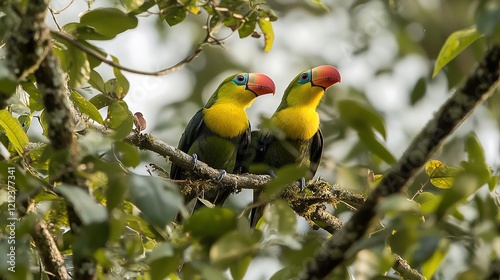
[304,77]
[240,79]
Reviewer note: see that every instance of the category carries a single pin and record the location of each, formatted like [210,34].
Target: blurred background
[385,51]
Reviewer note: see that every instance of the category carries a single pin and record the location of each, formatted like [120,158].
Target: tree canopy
[94,96]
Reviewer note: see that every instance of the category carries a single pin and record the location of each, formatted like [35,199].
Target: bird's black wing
[316,151]
[243,152]
[191,132]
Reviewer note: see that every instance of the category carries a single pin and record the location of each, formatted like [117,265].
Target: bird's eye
[240,79]
[304,77]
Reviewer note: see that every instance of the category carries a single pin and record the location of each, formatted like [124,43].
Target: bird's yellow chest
[297,122]
[226,120]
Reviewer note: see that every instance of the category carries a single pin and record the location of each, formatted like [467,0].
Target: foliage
[130,224]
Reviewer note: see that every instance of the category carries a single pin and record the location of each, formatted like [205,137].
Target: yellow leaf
[14,131]
[440,175]
[267,29]
[193,9]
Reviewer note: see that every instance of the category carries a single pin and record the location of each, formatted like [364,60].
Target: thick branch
[322,192]
[33,52]
[479,86]
[201,169]
[52,259]
[28,45]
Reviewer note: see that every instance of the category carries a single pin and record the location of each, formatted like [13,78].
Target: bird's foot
[221,174]
[302,183]
[272,174]
[195,160]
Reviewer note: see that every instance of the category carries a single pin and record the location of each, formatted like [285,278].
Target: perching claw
[221,174]
[302,183]
[195,160]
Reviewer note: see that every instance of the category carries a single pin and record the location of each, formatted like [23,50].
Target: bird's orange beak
[260,84]
[325,76]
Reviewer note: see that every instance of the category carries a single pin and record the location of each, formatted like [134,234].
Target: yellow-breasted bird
[219,133]
[294,136]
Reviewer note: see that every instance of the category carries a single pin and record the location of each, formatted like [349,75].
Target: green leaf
[162,261]
[463,186]
[8,81]
[418,91]
[204,270]
[440,175]
[174,14]
[143,8]
[209,224]
[100,101]
[96,81]
[85,32]
[158,199]
[79,69]
[396,204]
[14,131]
[91,238]
[86,107]
[488,18]
[454,45]
[127,154]
[88,210]
[281,218]
[109,21]
[428,202]
[239,269]
[359,115]
[233,247]
[36,98]
[434,261]
[476,163]
[25,121]
[131,5]
[285,176]
[267,29]
[319,4]
[368,137]
[122,84]
[286,273]
[120,119]
[247,28]
[74,61]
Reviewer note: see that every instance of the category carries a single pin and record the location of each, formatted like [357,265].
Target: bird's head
[307,88]
[242,89]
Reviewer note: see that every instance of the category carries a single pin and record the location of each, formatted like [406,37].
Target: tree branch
[322,192]
[478,87]
[30,51]
[52,260]
[318,216]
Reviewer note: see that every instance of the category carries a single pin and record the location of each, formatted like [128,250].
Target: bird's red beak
[325,76]
[260,84]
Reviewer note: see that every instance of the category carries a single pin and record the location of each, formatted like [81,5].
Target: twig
[197,50]
[404,269]
[63,9]
[53,14]
[479,86]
